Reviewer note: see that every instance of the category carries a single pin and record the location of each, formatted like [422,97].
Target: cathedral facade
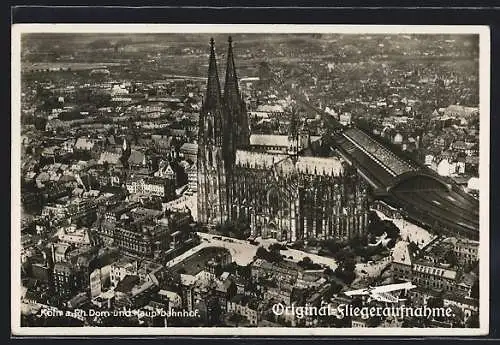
[290,195]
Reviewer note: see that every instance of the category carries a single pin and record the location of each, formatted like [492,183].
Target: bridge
[420,194]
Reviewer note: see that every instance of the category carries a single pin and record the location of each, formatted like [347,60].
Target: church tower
[211,167]
[237,131]
[236,116]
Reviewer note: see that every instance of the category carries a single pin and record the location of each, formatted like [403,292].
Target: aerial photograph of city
[250,180]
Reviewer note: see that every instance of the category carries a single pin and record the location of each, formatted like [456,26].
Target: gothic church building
[290,195]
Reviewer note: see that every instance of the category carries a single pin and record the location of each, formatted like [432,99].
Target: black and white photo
[250,179]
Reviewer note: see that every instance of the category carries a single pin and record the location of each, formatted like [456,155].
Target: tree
[307,263]
[331,245]
[391,229]
[237,229]
[391,243]
[377,227]
[276,247]
[262,253]
[306,260]
[218,270]
[373,217]
[298,245]
[343,255]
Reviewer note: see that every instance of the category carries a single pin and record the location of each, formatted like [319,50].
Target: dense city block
[180,180]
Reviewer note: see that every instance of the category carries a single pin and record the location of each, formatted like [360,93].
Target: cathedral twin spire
[231,90]
[213,94]
[229,106]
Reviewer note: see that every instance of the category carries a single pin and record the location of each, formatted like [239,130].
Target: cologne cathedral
[272,182]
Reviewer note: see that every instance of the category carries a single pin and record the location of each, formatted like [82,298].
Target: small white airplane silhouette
[382,293]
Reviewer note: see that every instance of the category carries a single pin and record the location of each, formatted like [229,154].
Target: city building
[163,187]
[141,239]
[245,306]
[122,268]
[66,280]
[467,251]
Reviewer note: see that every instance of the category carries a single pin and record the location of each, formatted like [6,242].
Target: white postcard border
[484,106]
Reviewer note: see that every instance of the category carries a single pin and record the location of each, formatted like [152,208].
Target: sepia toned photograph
[250,180]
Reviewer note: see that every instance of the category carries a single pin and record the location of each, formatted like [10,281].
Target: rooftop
[127,284]
[436,271]
[269,140]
